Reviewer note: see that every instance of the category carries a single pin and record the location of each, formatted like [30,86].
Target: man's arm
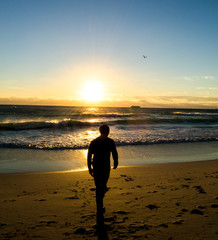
[89,162]
[115,156]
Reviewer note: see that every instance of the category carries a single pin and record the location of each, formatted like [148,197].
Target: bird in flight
[144,56]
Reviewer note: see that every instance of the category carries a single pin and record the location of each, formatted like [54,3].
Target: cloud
[207,91]
[176,93]
[213,88]
[180,102]
[35,101]
[150,102]
[197,78]
[208,77]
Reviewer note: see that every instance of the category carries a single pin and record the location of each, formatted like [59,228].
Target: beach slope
[163,201]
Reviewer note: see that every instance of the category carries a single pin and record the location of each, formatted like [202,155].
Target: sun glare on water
[93,91]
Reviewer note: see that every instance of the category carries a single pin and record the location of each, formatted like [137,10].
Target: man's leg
[99,204]
[101,188]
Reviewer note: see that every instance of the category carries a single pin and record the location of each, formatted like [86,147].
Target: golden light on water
[92,120]
[93,91]
[91,134]
[85,152]
[80,169]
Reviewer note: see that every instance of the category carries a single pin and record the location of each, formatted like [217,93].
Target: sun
[93,91]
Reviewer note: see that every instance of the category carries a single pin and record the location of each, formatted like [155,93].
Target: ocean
[51,138]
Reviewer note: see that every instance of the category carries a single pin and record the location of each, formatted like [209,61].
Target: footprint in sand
[184,210]
[110,219]
[122,220]
[152,206]
[127,178]
[127,193]
[197,211]
[187,179]
[201,207]
[74,190]
[134,227]
[48,223]
[214,205]
[87,217]
[12,200]
[163,188]
[199,189]
[67,234]
[178,222]
[75,197]
[43,216]
[121,212]
[152,192]
[3,224]
[80,231]
[163,225]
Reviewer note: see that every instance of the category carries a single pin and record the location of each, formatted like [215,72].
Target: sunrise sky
[54,52]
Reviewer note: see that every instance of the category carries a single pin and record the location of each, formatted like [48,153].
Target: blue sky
[52,49]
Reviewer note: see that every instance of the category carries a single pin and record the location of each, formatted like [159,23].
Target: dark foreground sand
[165,201]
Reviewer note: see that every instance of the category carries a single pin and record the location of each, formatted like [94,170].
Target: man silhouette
[98,160]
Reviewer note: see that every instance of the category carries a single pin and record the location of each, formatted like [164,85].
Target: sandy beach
[163,201]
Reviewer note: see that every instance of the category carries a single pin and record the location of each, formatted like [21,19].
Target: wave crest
[65,124]
[118,143]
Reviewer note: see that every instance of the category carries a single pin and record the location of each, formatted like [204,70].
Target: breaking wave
[66,124]
[118,143]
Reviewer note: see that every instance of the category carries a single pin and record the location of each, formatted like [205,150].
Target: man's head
[104,130]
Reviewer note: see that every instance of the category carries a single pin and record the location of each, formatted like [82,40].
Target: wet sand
[162,201]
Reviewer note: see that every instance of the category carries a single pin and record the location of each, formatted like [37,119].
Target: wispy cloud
[182,102]
[207,88]
[152,102]
[197,78]
[208,77]
[14,88]
[213,88]
[178,93]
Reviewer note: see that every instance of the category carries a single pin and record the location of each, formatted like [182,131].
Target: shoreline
[127,166]
[158,201]
[32,160]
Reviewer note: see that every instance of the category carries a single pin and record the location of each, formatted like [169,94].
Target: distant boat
[135,107]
